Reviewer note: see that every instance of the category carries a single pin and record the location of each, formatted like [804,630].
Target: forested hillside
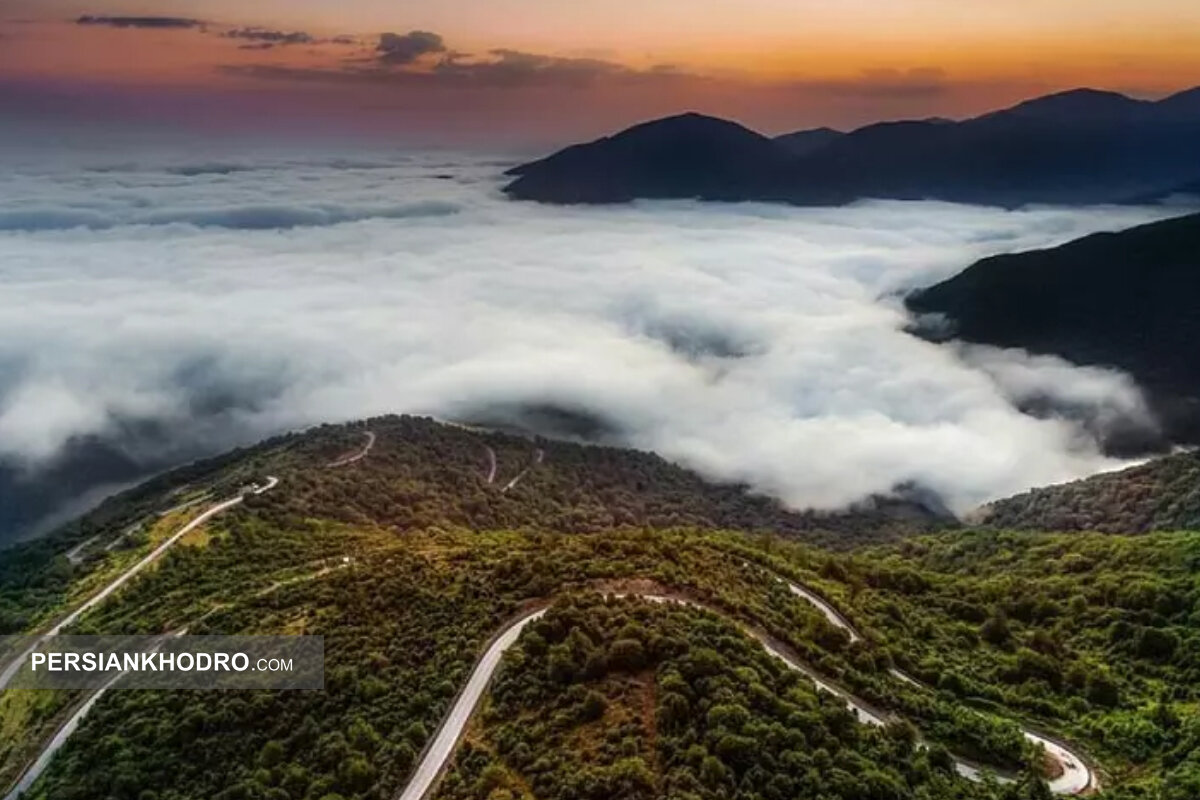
[1098,635]
[411,553]
[1123,300]
[424,475]
[630,699]
[1161,495]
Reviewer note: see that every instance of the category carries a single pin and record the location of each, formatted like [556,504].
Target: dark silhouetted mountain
[1185,103]
[1077,106]
[1126,300]
[1081,146]
[688,156]
[802,143]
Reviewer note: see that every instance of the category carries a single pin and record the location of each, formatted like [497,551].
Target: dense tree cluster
[36,576]
[422,474]
[403,623]
[1162,495]
[630,700]
[1095,634]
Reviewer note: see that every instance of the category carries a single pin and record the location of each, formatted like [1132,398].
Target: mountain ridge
[1124,300]
[1076,146]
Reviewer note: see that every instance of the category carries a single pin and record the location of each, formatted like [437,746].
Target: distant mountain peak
[802,143]
[690,122]
[1076,103]
[689,155]
[1077,146]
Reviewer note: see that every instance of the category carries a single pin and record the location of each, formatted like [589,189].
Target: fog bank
[169,308]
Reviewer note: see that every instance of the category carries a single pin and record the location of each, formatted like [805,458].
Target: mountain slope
[690,155]
[1124,300]
[1162,495]
[1081,146]
[430,475]
[803,143]
[411,557]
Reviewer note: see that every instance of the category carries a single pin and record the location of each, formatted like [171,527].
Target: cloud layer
[223,299]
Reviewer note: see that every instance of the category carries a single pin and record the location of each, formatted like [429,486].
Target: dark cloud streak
[499,69]
[270,37]
[140,22]
[408,48]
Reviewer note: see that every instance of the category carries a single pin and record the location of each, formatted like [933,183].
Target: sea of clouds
[214,301]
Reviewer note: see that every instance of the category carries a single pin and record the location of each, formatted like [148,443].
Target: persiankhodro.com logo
[55,661]
[163,662]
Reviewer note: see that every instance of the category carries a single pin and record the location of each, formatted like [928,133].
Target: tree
[1156,645]
[995,629]
[270,754]
[627,654]
[1102,690]
[593,707]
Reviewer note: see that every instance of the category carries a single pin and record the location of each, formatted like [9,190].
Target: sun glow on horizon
[773,64]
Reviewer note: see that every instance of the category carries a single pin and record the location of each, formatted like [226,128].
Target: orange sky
[775,64]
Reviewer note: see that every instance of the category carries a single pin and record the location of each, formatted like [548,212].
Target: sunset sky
[541,71]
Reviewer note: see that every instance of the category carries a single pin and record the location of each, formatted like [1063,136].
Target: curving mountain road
[538,458]
[354,457]
[1077,777]
[491,454]
[15,665]
[75,554]
[437,753]
[64,733]
[60,738]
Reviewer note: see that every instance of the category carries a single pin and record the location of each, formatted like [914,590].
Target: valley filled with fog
[159,309]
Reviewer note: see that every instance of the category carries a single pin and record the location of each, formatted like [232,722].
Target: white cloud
[751,342]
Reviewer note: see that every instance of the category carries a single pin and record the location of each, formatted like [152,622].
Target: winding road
[538,458]
[353,457]
[75,554]
[1076,777]
[64,733]
[491,454]
[15,665]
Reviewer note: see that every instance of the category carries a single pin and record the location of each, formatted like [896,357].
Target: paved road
[1076,778]
[832,614]
[538,458]
[359,456]
[491,476]
[60,738]
[15,665]
[75,554]
[63,734]
[446,739]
